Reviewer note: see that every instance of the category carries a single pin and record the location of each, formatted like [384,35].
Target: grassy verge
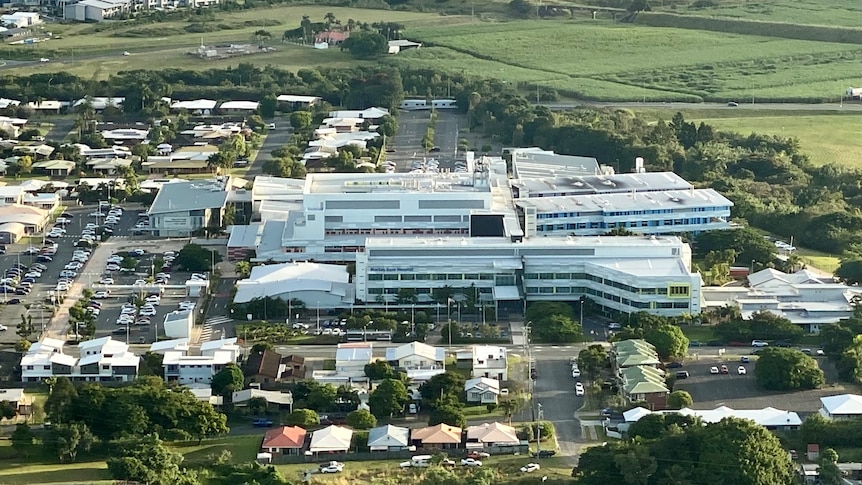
[699,333]
[481,412]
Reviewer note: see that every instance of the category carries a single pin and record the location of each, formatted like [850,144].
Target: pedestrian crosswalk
[207,327]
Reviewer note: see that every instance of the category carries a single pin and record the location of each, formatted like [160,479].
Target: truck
[855,93]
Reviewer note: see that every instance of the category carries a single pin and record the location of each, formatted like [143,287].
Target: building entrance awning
[506,293]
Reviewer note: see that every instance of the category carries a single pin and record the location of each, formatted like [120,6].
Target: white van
[419,461]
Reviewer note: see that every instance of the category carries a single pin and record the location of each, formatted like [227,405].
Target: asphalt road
[276,138]
[743,105]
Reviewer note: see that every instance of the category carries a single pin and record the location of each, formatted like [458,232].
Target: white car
[579,389]
[576,372]
[740,370]
[125,320]
[101,295]
[148,312]
[139,283]
[153,300]
[3,328]
[128,311]
[332,467]
[33,274]
[187,305]
[470,462]
[59,229]
[54,234]
[62,287]
[96,214]
[759,343]
[112,267]
[94,311]
[68,273]
[530,467]
[74,266]
[165,276]
[106,281]
[713,370]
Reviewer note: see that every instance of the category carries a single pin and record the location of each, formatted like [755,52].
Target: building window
[678,291]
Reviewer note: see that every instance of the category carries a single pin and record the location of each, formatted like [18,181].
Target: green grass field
[826,137]
[607,61]
[845,13]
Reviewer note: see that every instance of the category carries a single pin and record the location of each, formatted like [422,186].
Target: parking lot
[81,270]
[741,391]
[407,143]
[37,302]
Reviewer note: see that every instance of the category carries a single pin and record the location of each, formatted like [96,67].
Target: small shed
[813,452]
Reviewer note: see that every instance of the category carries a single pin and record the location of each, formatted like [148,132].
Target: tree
[679,400]
[268,106]
[440,386]
[63,393]
[389,398]
[780,369]
[361,419]
[387,126]
[365,45]
[303,418]
[850,271]
[762,325]
[448,414]
[67,440]
[228,380]
[243,269]
[25,327]
[301,120]
[636,465]
[194,257]
[592,360]
[747,452]
[379,370]
[147,460]
[23,440]
[7,410]
[22,346]
[669,341]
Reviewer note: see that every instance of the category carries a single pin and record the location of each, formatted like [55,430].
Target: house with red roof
[284,440]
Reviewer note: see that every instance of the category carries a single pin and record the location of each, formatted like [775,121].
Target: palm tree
[510,407]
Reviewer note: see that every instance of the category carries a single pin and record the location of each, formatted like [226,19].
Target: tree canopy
[388,398]
[194,257]
[780,369]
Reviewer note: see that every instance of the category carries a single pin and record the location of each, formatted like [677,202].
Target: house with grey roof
[182,208]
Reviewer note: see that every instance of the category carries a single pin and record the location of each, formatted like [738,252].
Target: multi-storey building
[100,360]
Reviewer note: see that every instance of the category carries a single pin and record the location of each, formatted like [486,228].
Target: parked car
[478,455]
[544,454]
[740,370]
[724,369]
[262,423]
[683,374]
[745,359]
[674,365]
[579,389]
[530,467]
[759,343]
[470,462]
[106,281]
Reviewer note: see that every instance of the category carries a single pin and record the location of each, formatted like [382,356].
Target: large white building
[534,237]
[803,297]
[100,360]
[186,365]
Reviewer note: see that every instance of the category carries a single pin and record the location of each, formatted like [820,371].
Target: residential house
[644,384]
[190,159]
[284,440]
[126,134]
[240,107]
[388,438]
[9,103]
[491,435]
[372,114]
[21,401]
[198,106]
[100,103]
[438,437]
[11,194]
[331,37]
[45,201]
[101,360]
[482,390]
[635,352]
[842,406]
[281,400]
[351,358]
[181,366]
[263,367]
[420,361]
[294,101]
[332,439]
[294,367]
[53,106]
[490,361]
